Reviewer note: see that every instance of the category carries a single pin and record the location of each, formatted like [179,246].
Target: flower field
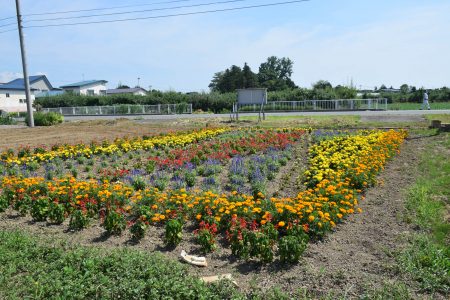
[214,181]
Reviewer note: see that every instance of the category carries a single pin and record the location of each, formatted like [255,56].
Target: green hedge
[45,119]
[6,120]
[215,102]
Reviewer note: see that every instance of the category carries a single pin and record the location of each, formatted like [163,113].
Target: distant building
[88,87]
[12,94]
[134,91]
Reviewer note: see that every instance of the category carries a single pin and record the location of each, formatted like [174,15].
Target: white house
[88,87]
[134,91]
[12,94]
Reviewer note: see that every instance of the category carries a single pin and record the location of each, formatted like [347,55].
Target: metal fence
[315,105]
[124,109]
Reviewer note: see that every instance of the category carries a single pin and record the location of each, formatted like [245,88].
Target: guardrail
[123,109]
[315,105]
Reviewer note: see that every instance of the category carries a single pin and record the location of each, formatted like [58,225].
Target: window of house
[7,95]
[90,92]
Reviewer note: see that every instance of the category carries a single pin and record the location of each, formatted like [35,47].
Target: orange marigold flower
[281,223]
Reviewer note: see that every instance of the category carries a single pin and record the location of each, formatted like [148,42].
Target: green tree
[275,74]
[228,80]
[322,85]
[404,88]
[250,79]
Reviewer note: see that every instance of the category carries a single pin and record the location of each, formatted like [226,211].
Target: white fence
[124,109]
[315,105]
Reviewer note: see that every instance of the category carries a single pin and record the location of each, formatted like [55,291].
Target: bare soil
[356,258]
[14,136]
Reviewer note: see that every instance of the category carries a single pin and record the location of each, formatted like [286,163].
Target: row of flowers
[255,226]
[40,154]
[248,142]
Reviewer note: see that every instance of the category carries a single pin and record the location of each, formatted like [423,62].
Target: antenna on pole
[24,66]
[139,78]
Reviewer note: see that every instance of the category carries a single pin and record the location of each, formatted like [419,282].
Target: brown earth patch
[75,132]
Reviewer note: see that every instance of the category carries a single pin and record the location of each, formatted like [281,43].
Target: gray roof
[125,91]
[83,83]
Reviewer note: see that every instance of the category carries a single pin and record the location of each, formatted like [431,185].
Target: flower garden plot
[254,225]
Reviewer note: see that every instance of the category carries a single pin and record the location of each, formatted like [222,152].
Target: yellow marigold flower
[311,218]
[359,210]
[339,216]
[281,223]
[198,217]
[162,217]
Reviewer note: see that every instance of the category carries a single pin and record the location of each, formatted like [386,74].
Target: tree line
[409,93]
[274,74]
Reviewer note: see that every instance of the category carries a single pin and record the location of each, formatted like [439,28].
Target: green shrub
[78,220]
[138,229]
[138,183]
[39,209]
[4,203]
[114,222]
[45,119]
[173,232]
[7,120]
[56,213]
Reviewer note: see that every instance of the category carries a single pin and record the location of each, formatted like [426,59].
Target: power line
[8,30]
[9,24]
[7,18]
[105,8]
[136,11]
[171,15]
[96,9]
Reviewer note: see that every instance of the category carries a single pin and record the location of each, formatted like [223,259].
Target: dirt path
[354,259]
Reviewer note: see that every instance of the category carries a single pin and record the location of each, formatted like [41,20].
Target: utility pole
[24,66]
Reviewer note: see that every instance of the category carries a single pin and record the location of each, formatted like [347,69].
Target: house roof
[125,91]
[19,84]
[83,83]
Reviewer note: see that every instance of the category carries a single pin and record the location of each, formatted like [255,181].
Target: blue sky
[369,42]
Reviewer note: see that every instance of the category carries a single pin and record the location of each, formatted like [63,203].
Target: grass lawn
[306,121]
[427,260]
[414,106]
[444,118]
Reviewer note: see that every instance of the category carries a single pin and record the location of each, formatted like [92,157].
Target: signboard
[252,96]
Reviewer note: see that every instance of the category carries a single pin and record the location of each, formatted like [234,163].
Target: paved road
[388,116]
